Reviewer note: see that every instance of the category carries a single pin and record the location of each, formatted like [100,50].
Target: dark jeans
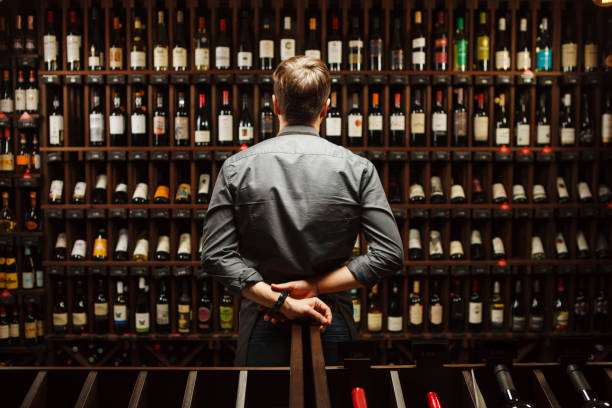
[270,344]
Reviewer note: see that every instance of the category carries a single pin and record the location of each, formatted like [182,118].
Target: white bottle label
[334,52]
[418,42]
[101,181]
[316,54]
[584,192]
[456,248]
[138,59]
[562,188]
[457,191]
[418,57]
[394,323]
[56,129]
[20,99]
[117,125]
[79,248]
[27,279]
[50,47]
[6,105]
[543,134]
[539,192]
[436,314]
[122,242]
[138,124]
[287,48]
[32,100]
[590,56]
[94,62]
[115,58]
[60,242]
[245,59]
[79,189]
[356,311]
[202,57]
[481,128]
[522,135]
[476,238]
[568,136]
[606,128]
[438,122]
[475,313]
[160,57]
[181,128]
[560,244]
[55,192]
[581,242]
[159,125]
[333,126]
[569,55]
[96,127]
[142,247]
[202,136]
[355,125]
[120,313]
[142,321]
[414,239]
[518,192]
[502,60]
[163,244]
[498,246]
[536,245]
[417,123]
[184,244]
[204,185]
[416,314]
[141,191]
[435,243]
[375,321]
[222,57]
[226,131]
[497,317]
[523,60]
[416,190]
[499,191]
[79,319]
[179,57]
[502,136]
[162,315]
[397,122]
[266,49]
[245,133]
[73,48]
[375,122]
[121,188]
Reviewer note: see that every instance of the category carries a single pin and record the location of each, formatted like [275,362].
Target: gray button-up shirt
[290,208]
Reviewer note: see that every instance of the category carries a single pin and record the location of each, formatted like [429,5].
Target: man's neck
[283,124]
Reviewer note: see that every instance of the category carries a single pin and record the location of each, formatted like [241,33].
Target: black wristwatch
[280,301]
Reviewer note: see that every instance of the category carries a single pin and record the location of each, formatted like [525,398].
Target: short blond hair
[301,85]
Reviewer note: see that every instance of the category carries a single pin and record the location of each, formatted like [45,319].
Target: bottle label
[27,279]
[518,192]
[481,129]
[139,124]
[6,105]
[482,52]
[202,136]
[4,331]
[333,126]
[245,59]
[203,317]
[120,314]
[536,245]
[355,123]
[523,60]
[606,128]
[543,134]
[160,57]
[226,128]
[60,319]
[436,314]
[416,190]
[32,100]
[121,188]
[355,52]
[14,330]
[101,311]
[356,311]
[544,59]
[204,184]
[138,59]
[222,57]
[142,322]
[435,246]
[266,49]
[439,122]
[568,136]
[94,61]
[456,248]
[117,125]
[375,321]
[561,188]
[397,122]
[96,127]
[536,323]
[375,122]
[20,99]
[461,54]
[441,57]
[316,54]
[560,244]
[22,160]
[11,277]
[522,135]
[184,317]
[115,58]
[502,60]
[202,57]
[40,278]
[394,323]
[287,48]
[100,248]
[581,242]
[498,246]
[418,43]
[163,244]
[518,323]
[417,123]
[226,317]
[56,129]
[418,57]
[414,239]
[502,136]
[569,55]
[181,125]
[50,48]
[183,191]
[79,248]
[475,313]
[142,248]
[159,125]
[73,48]
[179,57]
[79,189]
[184,244]
[561,320]
[590,56]
[334,52]
[79,319]
[416,314]
[267,124]
[457,191]
[460,125]
[162,315]
[497,317]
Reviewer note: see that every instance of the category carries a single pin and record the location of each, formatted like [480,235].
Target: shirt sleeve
[220,257]
[386,254]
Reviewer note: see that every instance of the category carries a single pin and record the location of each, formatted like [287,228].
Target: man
[283,217]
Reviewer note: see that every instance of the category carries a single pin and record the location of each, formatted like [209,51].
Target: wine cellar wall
[489,123]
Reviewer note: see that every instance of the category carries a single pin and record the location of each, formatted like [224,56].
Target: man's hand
[299,289]
[307,309]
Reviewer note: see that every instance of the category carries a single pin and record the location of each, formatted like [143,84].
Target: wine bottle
[266,45]
[460,120]
[397,122]
[19,34]
[141,194]
[204,309]
[30,324]
[581,308]
[543,47]
[481,122]
[561,247]
[499,193]
[120,195]
[502,122]
[31,93]
[78,250]
[497,307]
[120,309]
[536,311]
[560,308]
[568,133]
[287,38]
[184,248]
[162,252]
[312,48]
[539,194]
[543,123]
[142,315]
[374,312]
[519,196]
[457,195]
[28,269]
[475,309]
[375,123]
[415,250]
[98,195]
[56,192]
[502,50]
[483,44]
[460,47]
[537,248]
[14,326]
[222,50]
[4,326]
[162,309]
[439,122]
[20,93]
[606,119]
[436,193]
[245,123]
[499,250]
[266,118]
[22,158]
[457,308]
[181,122]
[586,136]
[394,315]
[226,312]
[100,308]
[417,120]
[355,123]
[202,125]
[507,388]
[583,388]
[562,193]
[59,251]
[79,309]
[356,301]
[244,57]
[203,195]
[456,250]
[201,48]
[6,93]
[523,51]
[12,280]
[141,251]
[60,313]
[32,217]
[100,246]
[179,52]
[160,48]
[333,120]
[115,52]
[73,42]
[95,56]
[590,50]
[569,46]
[435,245]
[583,247]
[522,128]
[604,193]
[517,310]
[50,43]
[417,194]
[398,59]
[418,43]
[97,135]
[138,121]
[225,120]
[334,45]
[415,308]
[436,310]
[440,55]
[184,309]
[476,247]
[116,122]
[121,248]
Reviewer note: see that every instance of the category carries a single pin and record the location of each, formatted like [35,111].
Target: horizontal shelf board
[141,337]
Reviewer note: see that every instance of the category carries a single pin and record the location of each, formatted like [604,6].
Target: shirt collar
[298,130]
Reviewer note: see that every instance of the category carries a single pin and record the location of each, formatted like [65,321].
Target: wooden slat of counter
[397,389]
[318,369]
[139,397]
[87,397]
[545,388]
[190,389]
[473,390]
[296,371]
[35,398]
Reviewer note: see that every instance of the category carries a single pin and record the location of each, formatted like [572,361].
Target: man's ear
[323,113]
[275,103]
